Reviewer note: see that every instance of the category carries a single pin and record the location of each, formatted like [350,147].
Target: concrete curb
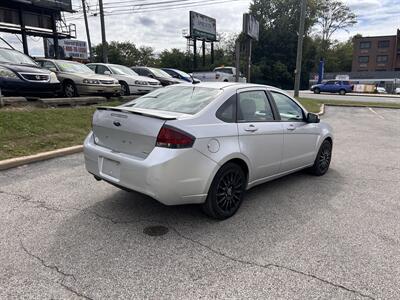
[361,106]
[322,110]
[19,161]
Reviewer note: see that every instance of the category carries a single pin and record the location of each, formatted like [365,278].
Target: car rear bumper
[171,176]
[92,89]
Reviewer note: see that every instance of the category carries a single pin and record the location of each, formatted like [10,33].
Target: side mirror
[312,118]
[53,70]
[107,73]
[151,76]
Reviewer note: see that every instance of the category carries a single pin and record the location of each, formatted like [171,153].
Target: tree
[174,58]
[333,15]
[274,55]
[125,53]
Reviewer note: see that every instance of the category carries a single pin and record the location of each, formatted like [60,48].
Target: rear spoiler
[158,115]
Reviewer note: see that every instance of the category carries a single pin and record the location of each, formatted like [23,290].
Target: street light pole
[103,32]
[300,48]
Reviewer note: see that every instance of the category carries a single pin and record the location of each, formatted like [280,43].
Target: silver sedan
[206,143]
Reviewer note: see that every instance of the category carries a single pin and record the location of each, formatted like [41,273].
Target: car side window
[47,65]
[330,82]
[287,108]
[254,106]
[227,111]
[92,67]
[101,69]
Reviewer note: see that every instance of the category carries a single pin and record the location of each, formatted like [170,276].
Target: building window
[383,44]
[365,45]
[363,59]
[382,59]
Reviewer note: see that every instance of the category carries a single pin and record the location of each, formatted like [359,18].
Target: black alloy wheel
[323,159]
[226,192]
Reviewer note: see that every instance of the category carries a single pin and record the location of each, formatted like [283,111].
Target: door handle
[251,128]
[291,127]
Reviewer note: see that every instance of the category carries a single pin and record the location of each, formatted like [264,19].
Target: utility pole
[237,59]
[250,44]
[87,30]
[300,48]
[103,32]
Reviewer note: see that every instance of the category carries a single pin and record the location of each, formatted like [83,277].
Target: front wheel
[323,159]
[124,89]
[69,89]
[226,192]
[317,91]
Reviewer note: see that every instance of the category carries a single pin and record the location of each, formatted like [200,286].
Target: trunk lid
[127,130]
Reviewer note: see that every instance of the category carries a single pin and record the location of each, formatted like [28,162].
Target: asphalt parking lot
[66,236]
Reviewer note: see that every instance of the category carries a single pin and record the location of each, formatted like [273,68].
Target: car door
[300,137]
[260,133]
[328,86]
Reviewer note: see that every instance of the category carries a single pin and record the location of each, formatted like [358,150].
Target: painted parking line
[380,116]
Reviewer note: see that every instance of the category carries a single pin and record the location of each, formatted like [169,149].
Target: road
[66,236]
[349,97]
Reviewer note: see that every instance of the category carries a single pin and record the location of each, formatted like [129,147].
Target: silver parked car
[205,143]
[77,79]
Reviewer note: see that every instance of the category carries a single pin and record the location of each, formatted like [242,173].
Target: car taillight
[170,137]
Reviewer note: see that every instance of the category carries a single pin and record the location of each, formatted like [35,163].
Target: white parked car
[397,91]
[221,74]
[130,81]
[381,90]
[205,143]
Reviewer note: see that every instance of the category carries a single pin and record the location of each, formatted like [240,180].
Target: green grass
[27,131]
[314,105]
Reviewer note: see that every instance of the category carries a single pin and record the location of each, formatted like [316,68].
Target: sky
[163,29]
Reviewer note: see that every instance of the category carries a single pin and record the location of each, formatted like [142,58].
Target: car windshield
[183,74]
[122,70]
[181,99]
[73,67]
[160,73]
[15,57]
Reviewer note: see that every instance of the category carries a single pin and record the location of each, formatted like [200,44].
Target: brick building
[376,53]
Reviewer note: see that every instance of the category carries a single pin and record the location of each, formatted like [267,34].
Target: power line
[165,8]
[123,3]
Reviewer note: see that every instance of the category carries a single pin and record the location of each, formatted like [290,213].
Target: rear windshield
[181,99]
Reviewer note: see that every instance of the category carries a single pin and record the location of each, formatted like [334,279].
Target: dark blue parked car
[333,86]
[181,75]
[20,75]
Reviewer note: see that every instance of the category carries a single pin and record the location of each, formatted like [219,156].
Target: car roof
[238,85]
[57,60]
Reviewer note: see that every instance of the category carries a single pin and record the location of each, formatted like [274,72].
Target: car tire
[69,89]
[342,92]
[323,159]
[317,91]
[124,89]
[226,192]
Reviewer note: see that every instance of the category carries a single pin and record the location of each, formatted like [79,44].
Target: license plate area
[111,168]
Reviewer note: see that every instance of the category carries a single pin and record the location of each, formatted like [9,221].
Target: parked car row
[20,74]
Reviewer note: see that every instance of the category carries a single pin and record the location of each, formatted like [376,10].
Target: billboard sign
[251,27]
[203,27]
[62,5]
[68,49]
